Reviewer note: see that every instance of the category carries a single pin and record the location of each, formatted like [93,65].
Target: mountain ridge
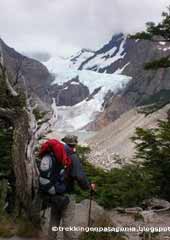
[143,84]
[36,76]
[82,77]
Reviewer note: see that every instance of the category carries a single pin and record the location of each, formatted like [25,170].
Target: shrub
[123,187]
[153,147]
[5,150]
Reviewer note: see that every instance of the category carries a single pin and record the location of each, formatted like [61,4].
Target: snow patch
[80,57]
[75,83]
[90,79]
[76,117]
[65,88]
[106,59]
[120,70]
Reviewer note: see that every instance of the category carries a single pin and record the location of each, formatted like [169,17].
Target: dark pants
[64,212]
[55,218]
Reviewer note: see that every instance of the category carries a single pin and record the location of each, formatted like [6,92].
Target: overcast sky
[63,26]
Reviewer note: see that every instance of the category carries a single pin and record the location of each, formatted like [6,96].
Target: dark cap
[70,139]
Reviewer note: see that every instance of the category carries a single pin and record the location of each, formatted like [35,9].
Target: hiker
[63,202]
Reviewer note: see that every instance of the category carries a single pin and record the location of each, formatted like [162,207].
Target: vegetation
[156,33]
[5,162]
[153,147]
[8,101]
[133,183]
[7,227]
[26,229]
[159,32]
[17,227]
[15,135]
[5,150]
[123,187]
[38,114]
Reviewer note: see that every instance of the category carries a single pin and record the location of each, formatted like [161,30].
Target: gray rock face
[132,59]
[36,76]
[157,205]
[118,218]
[70,93]
[144,83]
[37,80]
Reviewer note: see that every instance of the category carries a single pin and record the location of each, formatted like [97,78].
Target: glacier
[72,118]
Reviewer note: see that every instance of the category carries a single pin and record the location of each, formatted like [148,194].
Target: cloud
[63,26]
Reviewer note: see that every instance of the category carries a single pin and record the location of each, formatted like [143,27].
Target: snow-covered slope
[93,80]
[99,84]
[58,65]
[77,116]
[80,57]
[107,55]
[103,60]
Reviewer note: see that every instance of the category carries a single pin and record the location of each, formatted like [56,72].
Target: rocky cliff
[70,93]
[27,73]
[32,75]
[127,56]
[105,83]
[121,56]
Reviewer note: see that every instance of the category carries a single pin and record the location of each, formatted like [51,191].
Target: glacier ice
[77,116]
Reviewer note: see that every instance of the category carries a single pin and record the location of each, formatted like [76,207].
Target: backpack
[51,178]
[53,167]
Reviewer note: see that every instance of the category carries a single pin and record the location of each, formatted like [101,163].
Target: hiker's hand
[93,187]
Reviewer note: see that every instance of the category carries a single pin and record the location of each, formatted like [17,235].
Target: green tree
[5,151]
[125,187]
[153,148]
[156,33]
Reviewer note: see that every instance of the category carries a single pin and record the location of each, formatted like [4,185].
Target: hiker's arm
[78,173]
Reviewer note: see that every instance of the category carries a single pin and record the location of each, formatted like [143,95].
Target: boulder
[82,212]
[133,210]
[155,204]
[148,216]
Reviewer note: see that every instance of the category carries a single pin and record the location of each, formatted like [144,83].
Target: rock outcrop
[144,84]
[35,78]
[121,55]
[70,93]
[28,74]
[132,223]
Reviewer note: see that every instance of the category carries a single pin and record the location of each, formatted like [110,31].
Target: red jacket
[57,148]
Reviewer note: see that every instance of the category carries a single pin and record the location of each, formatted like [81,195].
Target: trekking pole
[89,215]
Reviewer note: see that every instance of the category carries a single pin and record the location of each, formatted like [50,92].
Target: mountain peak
[87,50]
[117,37]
